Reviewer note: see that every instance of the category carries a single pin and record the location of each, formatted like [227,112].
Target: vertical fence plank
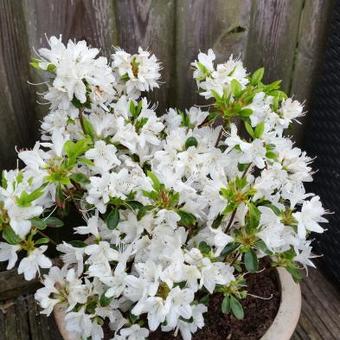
[16,114]
[313,28]
[273,38]
[150,24]
[311,41]
[92,20]
[217,24]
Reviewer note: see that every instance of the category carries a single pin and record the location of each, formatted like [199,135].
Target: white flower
[180,305]
[103,156]
[134,332]
[83,325]
[8,253]
[310,216]
[188,327]
[204,65]
[94,224]
[29,266]
[220,240]
[304,254]
[72,256]
[47,296]
[290,110]
[137,73]
[76,71]
[273,233]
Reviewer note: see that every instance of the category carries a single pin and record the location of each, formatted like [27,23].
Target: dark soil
[259,313]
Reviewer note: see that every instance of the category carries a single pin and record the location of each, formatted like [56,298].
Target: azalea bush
[154,213]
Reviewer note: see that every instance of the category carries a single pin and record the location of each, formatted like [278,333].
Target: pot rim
[288,315]
[283,325]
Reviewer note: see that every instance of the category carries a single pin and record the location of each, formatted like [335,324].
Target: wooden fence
[285,36]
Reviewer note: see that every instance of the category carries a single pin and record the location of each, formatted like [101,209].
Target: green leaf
[257,76]
[236,88]
[139,123]
[236,308]
[271,155]
[217,221]
[10,236]
[112,218]
[35,63]
[205,300]
[3,180]
[229,248]
[54,222]
[25,199]
[250,261]
[38,223]
[253,217]
[76,149]
[204,247]
[104,300]
[249,129]
[187,219]
[225,307]
[156,184]
[77,103]
[295,272]
[259,130]
[246,113]
[191,141]
[80,178]
[51,68]
[263,247]
[77,243]
[88,128]
[42,240]
[134,205]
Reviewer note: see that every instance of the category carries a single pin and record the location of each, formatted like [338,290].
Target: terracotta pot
[282,327]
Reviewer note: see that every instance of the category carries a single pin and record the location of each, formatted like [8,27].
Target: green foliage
[187,219]
[104,300]
[38,223]
[236,308]
[112,218]
[80,178]
[257,76]
[251,262]
[236,192]
[204,248]
[25,199]
[54,222]
[191,141]
[10,236]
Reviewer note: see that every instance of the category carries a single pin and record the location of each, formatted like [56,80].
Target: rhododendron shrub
[171,208]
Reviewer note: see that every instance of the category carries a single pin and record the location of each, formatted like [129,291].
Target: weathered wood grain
[217,24]
[272,39]
[22,324]
[92,20]
[10,322]
[13,285]
[151,25]
[16,114]
[308,58]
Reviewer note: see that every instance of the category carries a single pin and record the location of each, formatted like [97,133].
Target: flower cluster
[158,212]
